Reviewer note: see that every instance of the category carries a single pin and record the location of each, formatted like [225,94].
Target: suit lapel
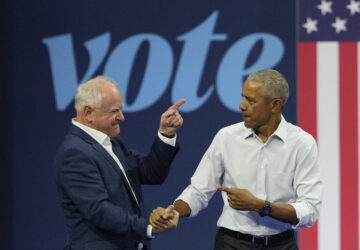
[113,163]
[120,155]
[86,137]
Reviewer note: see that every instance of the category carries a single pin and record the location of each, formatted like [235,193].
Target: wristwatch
[266,210]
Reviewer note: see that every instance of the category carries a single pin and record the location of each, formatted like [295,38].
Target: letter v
[63,65]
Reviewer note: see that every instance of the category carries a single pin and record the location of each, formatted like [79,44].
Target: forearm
[183,208]
[282,212]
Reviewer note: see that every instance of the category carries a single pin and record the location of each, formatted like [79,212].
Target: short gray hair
[89,93]
[274,82]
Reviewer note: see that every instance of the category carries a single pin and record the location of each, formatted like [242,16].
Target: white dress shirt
[283,170]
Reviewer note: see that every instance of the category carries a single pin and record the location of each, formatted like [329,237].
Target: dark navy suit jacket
[100,210]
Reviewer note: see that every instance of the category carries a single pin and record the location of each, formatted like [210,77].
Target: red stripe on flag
[307,112]
[307,118]
[348,146]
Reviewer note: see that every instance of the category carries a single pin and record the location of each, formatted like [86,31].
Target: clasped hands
[163,220]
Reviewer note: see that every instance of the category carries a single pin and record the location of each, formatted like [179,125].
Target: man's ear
[277,105]
[88,113]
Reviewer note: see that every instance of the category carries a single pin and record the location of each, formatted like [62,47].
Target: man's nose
[242,106]
[120,116]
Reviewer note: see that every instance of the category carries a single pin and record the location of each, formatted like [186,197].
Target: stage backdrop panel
[158,52]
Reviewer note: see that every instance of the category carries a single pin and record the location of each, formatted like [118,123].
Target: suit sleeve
[80,178]
[155,166]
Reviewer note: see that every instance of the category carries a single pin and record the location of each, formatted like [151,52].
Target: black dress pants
[225,241]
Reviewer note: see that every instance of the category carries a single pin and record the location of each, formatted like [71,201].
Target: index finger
[178,104]
[222,188]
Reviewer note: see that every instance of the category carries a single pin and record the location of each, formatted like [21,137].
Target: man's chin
[248,124]
[115,132]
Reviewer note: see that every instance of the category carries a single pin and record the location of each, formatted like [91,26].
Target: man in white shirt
[267,169]
[99,177]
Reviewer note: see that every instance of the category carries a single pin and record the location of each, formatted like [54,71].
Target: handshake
[163,220]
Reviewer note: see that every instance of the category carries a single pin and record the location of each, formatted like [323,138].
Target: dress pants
[228,242]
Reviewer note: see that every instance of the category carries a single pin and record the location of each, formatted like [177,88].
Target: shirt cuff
[194,209]
[169,141]
[149,232]
[301,210]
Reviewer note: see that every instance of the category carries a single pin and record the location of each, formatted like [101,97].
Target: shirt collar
[97,135]
[280,132]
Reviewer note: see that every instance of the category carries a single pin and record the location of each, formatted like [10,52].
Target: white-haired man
[99,178]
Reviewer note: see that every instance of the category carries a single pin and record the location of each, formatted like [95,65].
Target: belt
[268,241]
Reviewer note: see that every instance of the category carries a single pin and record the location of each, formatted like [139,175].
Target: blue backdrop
[159,51]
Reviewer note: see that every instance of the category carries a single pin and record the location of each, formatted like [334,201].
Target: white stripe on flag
[328,140]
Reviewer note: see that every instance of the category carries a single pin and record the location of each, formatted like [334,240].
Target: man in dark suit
[99,178]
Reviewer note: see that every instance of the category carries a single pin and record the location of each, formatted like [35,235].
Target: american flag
[328,108]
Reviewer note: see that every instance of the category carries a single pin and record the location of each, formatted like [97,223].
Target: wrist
[167,135]
[259,205]
[266,209]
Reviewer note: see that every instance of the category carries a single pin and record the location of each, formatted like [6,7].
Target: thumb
[168,212]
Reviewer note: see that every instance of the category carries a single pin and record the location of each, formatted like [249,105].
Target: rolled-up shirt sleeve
[308,187]
[195,199]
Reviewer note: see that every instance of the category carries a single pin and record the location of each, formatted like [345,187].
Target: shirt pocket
[280,187]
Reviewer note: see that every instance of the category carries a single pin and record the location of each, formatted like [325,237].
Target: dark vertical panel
[6,145]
